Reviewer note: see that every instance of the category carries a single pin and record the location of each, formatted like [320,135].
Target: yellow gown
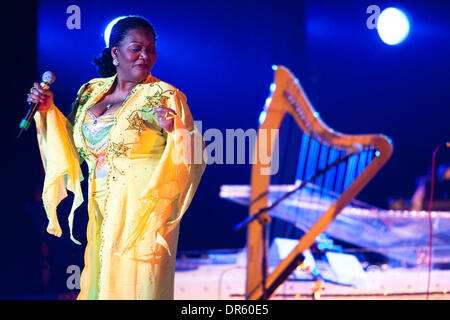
[136,206]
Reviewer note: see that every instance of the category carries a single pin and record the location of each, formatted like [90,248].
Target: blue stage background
[220,53]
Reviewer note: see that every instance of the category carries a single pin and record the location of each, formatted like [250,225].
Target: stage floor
[220,275]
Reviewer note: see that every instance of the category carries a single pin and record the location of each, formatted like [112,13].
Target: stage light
[393,26]
[109,28]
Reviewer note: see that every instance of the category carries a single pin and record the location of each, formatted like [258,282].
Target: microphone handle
[26,121]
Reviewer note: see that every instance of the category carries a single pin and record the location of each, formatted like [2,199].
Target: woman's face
[136,55]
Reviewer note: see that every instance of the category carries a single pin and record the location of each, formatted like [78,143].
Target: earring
[115,62]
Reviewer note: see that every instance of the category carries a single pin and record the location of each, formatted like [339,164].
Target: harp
[331,165]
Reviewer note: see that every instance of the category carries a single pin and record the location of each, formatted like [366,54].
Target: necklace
[107,108]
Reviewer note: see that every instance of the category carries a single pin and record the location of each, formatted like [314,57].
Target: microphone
[47,79]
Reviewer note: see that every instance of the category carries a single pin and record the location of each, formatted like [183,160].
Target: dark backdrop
[220,53]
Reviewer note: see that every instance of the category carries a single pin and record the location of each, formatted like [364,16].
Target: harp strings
[322,174]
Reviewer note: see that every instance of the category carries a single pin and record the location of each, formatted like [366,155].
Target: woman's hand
[44,97]
[166,117]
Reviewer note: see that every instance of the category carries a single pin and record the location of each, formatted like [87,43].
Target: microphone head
[48,77]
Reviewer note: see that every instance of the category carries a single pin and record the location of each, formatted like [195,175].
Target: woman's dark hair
[104,62]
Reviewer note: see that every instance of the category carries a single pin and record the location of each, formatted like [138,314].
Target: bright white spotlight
[109,28]
[393,26]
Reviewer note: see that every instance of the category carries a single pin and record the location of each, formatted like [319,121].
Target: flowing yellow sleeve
[173,184]
[185,146]
[186,150]
[61,163]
